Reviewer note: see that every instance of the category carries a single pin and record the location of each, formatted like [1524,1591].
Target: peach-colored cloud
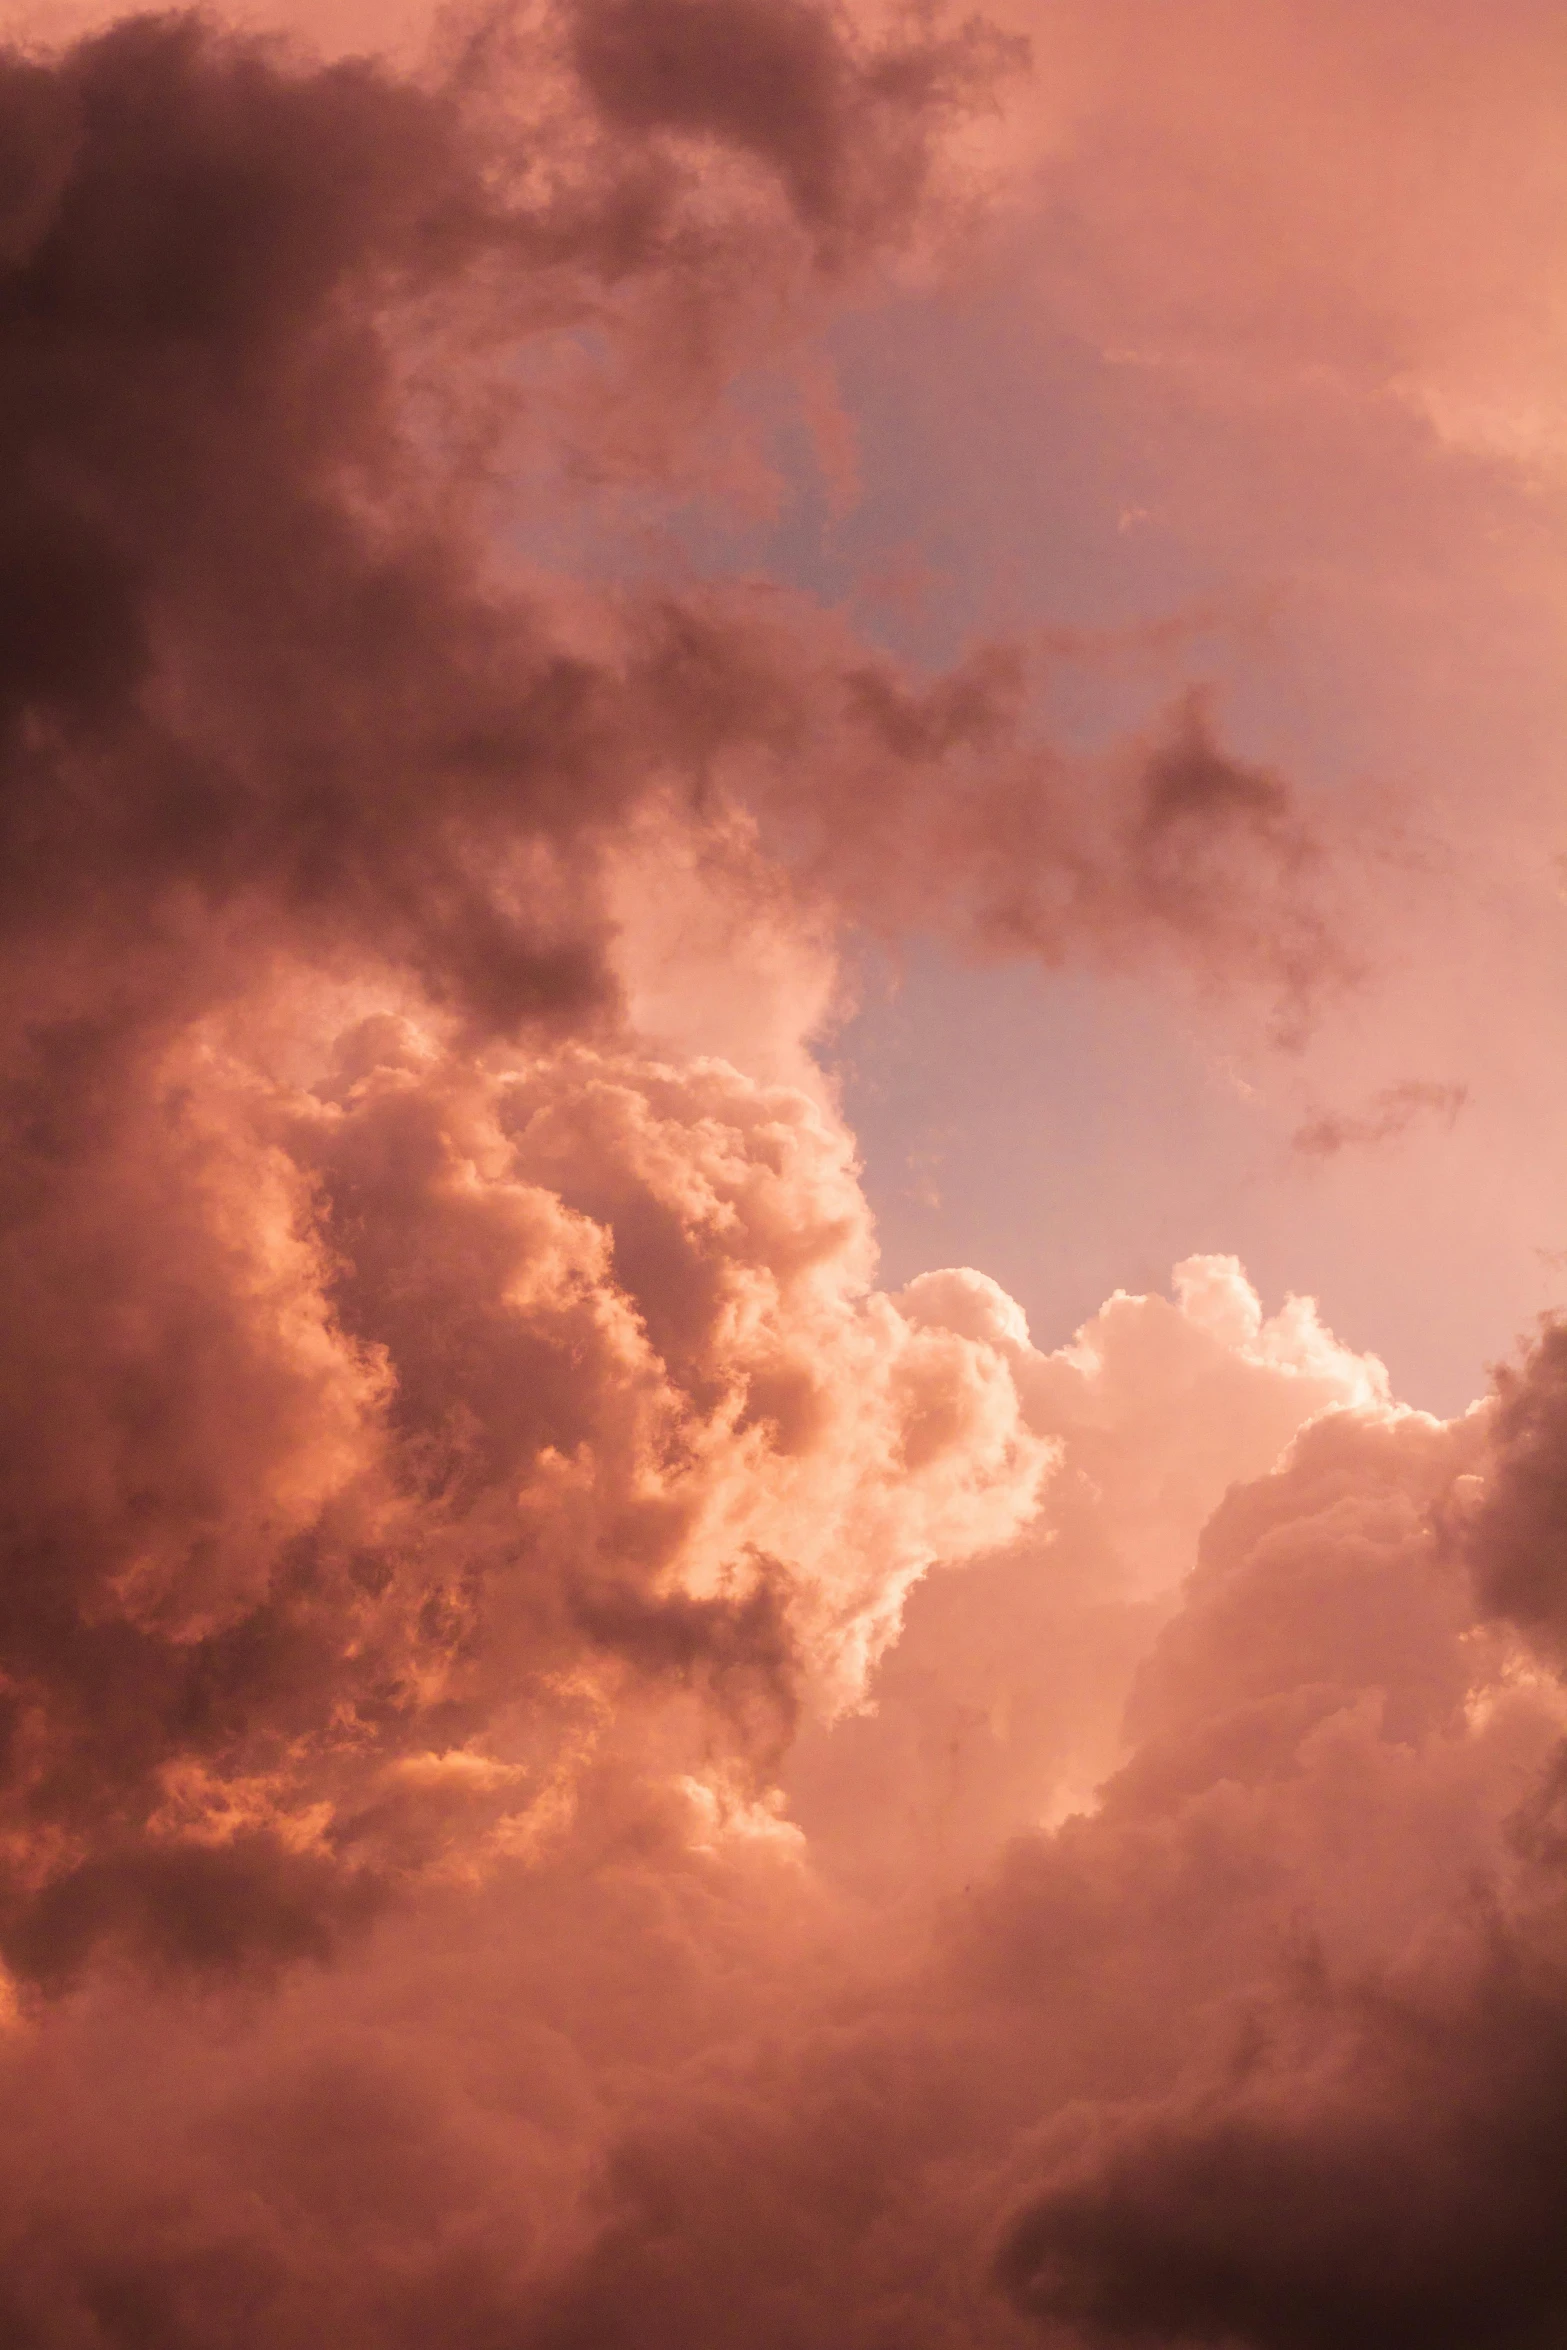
[657,2077]
[497,1374]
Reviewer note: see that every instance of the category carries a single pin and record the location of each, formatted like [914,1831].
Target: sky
[782,933]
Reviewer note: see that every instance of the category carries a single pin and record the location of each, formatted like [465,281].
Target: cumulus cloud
[393,1328]
[383,1362]
[1350,2138]
[417,1390]
[1002,1705]
[1180,2058]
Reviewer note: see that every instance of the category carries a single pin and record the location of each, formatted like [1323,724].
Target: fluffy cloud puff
[363,1415]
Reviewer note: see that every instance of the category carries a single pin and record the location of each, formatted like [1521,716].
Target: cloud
[395,1334]
[1001,1707]
[1167,845]
[265,672]
[1355,2141]
[574,1769]
[1187,2059]
[1387,1118]
[415,1391]
[1385,2183]
[1510,1528]
[845,128]
[259,654]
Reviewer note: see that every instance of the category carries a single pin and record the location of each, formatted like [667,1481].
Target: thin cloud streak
[1386,1118]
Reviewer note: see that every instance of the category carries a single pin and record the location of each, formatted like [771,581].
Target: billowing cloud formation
[1352,2138]
[381,1354]
[1261,2046]
[406,1392]
[575,1772]
[261,667]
